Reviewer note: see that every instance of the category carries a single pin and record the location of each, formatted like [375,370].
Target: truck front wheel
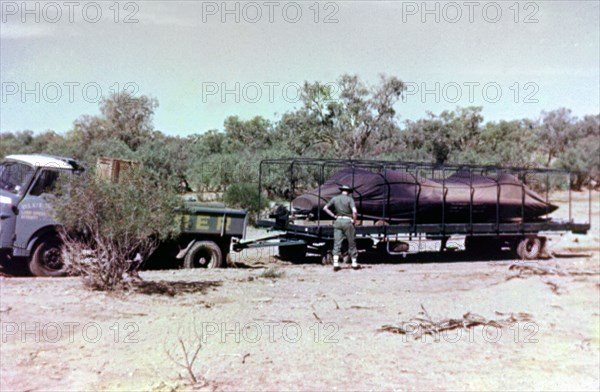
[204,254]
[47,258]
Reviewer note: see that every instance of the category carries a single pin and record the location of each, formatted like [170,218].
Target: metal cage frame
[441,229]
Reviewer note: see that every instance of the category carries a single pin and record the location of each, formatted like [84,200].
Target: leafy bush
[243,195]
[583,158]
[111,228]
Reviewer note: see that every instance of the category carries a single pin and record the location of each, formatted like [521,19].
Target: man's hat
[345,188]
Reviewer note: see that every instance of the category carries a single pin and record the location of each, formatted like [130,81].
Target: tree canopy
[348,119]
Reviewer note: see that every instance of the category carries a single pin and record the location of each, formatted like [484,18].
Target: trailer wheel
[529,248]
[293,253]
[204,254]
[47,258]
[394,246]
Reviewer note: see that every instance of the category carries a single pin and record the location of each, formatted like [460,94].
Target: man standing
[345,217]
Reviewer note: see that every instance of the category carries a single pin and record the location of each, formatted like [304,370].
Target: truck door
[35,210]
[15,177]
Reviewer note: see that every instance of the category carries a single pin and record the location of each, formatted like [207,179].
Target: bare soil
[304,327]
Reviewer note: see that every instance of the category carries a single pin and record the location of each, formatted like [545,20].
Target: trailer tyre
[204,254]
[47,258]
[529,248]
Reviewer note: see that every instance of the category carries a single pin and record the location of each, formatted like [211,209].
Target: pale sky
[538,55]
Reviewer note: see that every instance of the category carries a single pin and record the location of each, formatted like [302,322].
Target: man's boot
[336,263]
[355,263]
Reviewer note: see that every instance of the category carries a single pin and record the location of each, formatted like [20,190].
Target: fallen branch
[525,270]
[360,307]
[556,289]
[419,326]
[570,255]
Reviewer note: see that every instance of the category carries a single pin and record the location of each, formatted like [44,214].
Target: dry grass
[272,273]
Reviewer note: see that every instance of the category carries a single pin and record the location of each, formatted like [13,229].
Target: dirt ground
[304,327]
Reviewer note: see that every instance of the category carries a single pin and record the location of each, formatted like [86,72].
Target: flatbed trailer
[297,236]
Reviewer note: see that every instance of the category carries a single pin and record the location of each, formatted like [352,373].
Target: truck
[483,221]
[29,231]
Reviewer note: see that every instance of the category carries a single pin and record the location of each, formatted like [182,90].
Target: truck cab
[28,228]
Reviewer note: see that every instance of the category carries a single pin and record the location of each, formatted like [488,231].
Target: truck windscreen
[14,176]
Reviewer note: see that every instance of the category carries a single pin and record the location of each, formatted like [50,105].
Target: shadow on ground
[173,288]
[14,267]
[423,258]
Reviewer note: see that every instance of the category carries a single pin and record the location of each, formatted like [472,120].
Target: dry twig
[188,356]
[318,318]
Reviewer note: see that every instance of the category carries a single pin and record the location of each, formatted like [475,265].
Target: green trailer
[207,233]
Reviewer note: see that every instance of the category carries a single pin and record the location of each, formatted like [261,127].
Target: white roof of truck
[39,160]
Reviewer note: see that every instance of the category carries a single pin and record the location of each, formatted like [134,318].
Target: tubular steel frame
[441,229]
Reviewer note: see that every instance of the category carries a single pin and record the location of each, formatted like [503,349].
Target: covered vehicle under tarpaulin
[401,196]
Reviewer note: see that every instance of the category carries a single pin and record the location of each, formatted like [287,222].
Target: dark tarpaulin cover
[395,195]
